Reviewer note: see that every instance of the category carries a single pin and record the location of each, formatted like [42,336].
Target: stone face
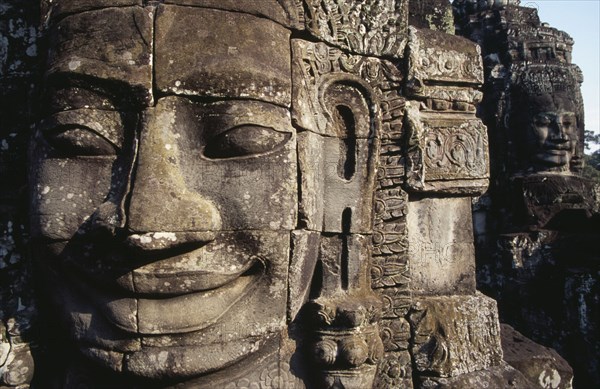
[455,335]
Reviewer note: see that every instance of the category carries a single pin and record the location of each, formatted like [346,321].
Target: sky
[581,20]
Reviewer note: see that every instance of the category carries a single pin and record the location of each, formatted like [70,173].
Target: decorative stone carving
[447,144]
[372,27]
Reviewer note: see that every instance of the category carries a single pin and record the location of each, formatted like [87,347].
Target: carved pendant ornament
[221,192]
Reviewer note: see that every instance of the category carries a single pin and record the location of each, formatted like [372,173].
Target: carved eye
[78,141]
[542,120]
[244,140]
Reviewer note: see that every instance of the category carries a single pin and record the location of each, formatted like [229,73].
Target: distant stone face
[538,224]
[546,117]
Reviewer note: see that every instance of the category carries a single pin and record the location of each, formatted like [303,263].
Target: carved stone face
[164,179]
[551,131]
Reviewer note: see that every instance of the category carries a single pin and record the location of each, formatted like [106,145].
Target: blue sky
[581,19]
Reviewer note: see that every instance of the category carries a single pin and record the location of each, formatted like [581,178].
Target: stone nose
[160,201]
[559,132]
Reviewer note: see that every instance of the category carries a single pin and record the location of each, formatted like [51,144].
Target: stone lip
[157,270]
[145,316]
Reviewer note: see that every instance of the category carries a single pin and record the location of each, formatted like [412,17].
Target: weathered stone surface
[436,56]
[554,201]
[431,14]
[448,153]
[395,371]
[497,377]
[372,28]
[541,365]
[18,368]
[248,57]
[217,204]
[442,257]
[287,12]
[328,190]
[59,9]
[446,144]
[267,182]
[455,335]
[123,58]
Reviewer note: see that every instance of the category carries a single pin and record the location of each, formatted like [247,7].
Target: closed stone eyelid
[106,124]
[69,134]
[217,146]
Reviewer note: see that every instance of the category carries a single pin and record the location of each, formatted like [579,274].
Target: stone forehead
[176,50]
[544,78]
[367,27]
[285,12]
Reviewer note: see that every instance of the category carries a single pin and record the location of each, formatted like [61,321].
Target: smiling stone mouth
[161,273]
[145,314]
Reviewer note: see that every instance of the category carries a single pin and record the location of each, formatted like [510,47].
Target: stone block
[121,58]
[441,251]
[332,200]
[496,377]
[62,8]
[242,56]
[454,335]
[541,365]
[447,152]
[378,30]
[443,58]
[282,12]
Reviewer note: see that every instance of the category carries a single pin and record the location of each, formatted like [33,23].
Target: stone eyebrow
[101,93]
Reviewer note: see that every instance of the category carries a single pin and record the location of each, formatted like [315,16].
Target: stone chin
[224,313]
[163,348]
[553,160]
[176,363]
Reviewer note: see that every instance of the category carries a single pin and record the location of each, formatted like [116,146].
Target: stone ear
[347,104]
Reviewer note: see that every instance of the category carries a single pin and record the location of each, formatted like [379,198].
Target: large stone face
[267,194]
